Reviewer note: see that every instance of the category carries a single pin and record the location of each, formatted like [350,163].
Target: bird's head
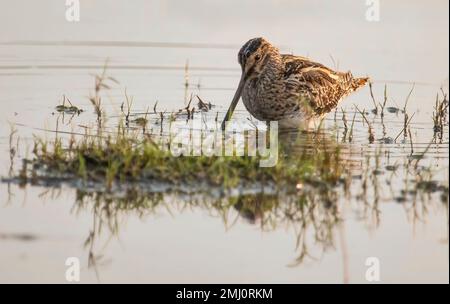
[253,57]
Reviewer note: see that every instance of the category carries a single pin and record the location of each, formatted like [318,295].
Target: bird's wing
[319,88]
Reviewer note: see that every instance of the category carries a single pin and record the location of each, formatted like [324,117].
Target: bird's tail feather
[359,82]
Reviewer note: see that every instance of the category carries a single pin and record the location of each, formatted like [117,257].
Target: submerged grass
[136,155]
[127,157]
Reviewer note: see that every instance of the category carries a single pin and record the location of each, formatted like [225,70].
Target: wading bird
[292,90]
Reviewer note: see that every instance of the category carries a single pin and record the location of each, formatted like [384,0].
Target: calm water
[43,57]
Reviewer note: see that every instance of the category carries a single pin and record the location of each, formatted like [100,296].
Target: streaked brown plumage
[287,88]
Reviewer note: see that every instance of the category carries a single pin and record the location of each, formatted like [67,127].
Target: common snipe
[285,88]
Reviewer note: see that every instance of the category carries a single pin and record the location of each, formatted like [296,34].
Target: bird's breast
[268,99]
[254,97]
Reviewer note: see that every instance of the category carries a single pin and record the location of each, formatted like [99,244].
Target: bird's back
[317,87]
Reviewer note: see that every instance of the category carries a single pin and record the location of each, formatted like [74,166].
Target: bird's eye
[257,57]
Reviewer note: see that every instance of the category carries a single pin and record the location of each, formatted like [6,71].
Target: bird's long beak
[234,102]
